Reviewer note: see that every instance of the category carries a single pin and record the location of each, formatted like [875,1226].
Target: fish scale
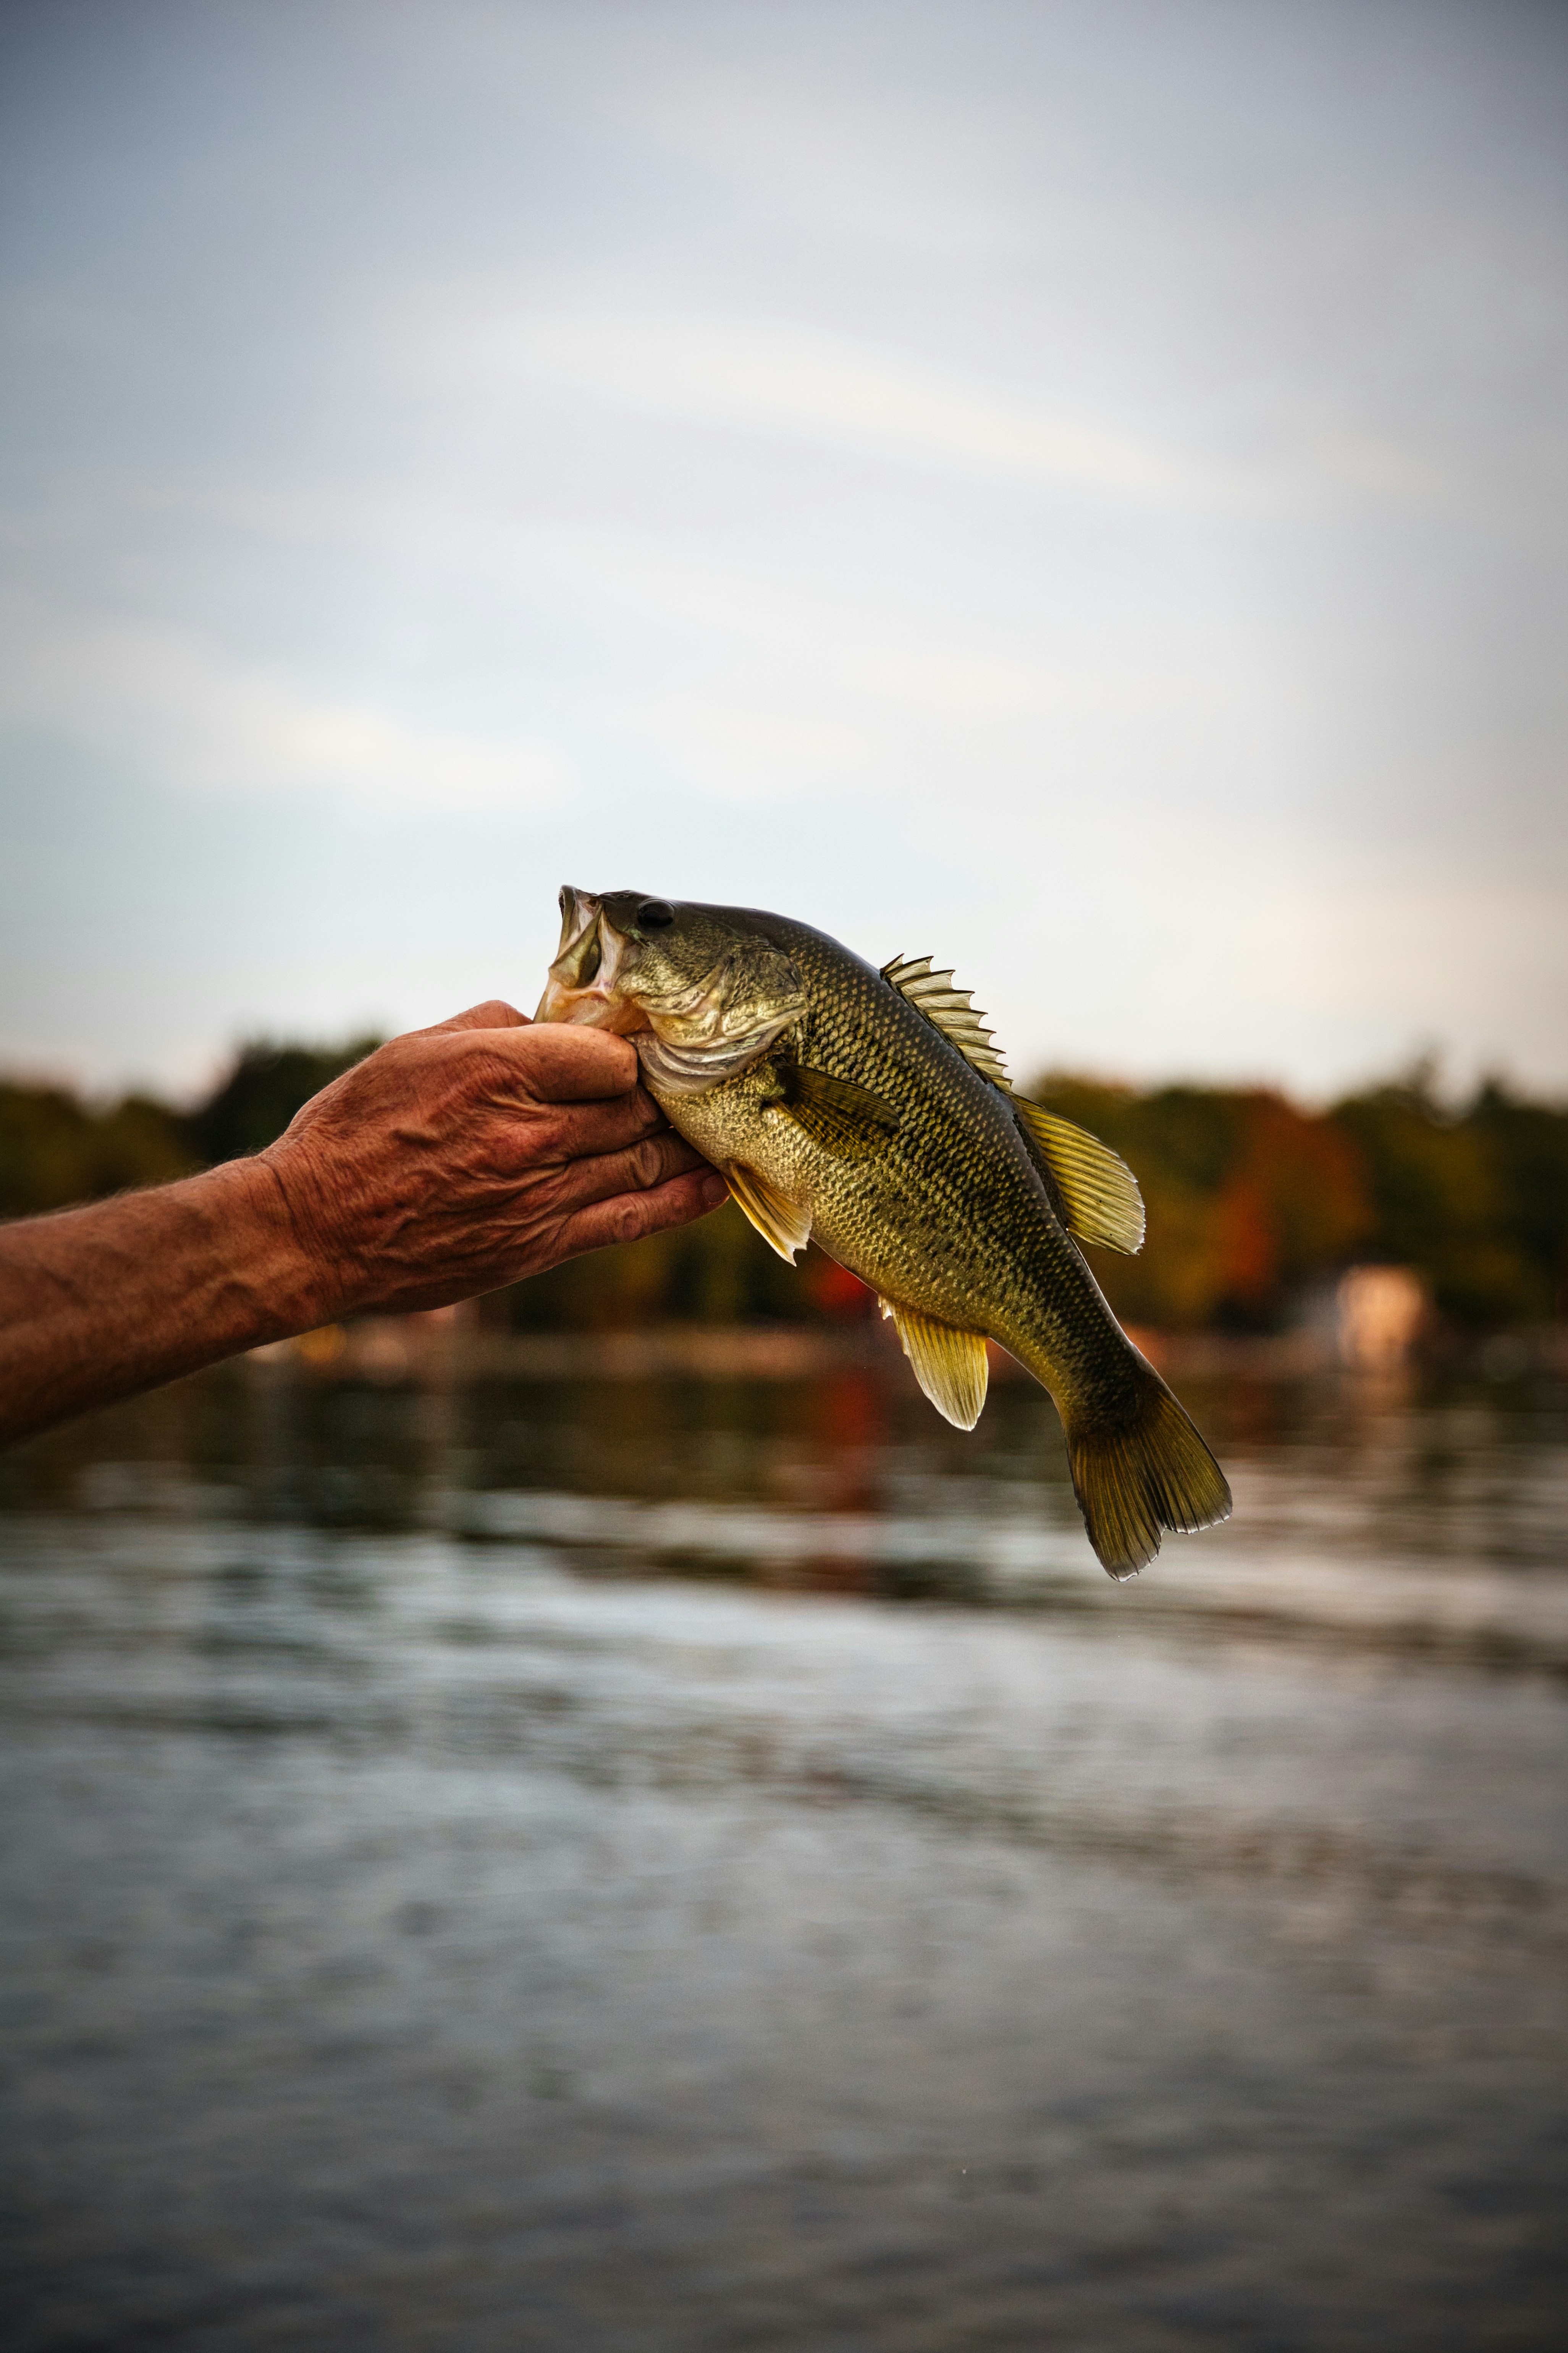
[839,1107]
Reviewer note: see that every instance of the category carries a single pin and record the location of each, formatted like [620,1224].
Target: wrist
[289,1285]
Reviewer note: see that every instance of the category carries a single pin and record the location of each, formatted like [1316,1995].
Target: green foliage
[269,1083]
[1528,1146]
[54,1149]
[1478,1202]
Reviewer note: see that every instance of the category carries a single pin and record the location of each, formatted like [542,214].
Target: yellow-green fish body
[869,1113]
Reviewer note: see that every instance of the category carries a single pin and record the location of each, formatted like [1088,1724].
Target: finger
[641,1169]
[555,1062]
[627,1217]
[586,1131]
[495,1013]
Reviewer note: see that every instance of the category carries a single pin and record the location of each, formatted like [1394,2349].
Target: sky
[1078,491]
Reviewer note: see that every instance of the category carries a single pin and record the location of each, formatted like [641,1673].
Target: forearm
[101,1301]
[451,1161]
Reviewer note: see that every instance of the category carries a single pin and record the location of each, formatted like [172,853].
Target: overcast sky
[1080,491]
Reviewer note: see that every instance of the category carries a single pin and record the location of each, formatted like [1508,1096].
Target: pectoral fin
[840,1116]
[782,1226]
[949,1364]
[1098,1190]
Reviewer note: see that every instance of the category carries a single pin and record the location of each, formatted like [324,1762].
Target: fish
[868,1109]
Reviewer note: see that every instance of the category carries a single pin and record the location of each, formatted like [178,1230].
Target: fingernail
[713,1188]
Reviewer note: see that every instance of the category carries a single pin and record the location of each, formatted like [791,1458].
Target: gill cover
[718,1027]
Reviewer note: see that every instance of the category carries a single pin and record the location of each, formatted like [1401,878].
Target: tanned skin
[452,1161]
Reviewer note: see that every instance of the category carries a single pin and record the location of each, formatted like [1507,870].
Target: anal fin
[950,1366]
[782,1226]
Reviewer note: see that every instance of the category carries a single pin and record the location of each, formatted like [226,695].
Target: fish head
[703,997]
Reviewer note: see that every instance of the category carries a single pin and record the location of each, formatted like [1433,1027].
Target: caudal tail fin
[1133,1479]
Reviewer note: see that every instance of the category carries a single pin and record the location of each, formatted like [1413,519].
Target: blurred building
[1382,1312]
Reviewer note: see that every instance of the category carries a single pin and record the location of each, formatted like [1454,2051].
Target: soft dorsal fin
[950,1366]
[1099,1193]
[949,1009]
[781,1225]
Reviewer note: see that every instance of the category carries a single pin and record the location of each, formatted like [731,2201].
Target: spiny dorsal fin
[1098,1190]
[782,1226]
[949,1364]
[950,1010]
[838,1115]
[1099,1193]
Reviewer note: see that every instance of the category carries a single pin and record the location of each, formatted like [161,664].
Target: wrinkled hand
[462,1157]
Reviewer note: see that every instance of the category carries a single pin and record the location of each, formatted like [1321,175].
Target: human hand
[462,1157]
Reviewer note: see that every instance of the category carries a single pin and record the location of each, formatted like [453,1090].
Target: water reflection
[688,1866]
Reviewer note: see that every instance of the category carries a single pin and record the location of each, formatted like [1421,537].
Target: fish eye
[655,914]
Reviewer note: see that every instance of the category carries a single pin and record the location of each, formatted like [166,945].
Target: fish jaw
[586,983]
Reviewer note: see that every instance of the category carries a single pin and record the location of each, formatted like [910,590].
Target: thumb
[494,1014]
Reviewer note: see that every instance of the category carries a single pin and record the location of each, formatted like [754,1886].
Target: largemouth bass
[870,1110]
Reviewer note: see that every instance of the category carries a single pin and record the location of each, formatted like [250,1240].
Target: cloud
[190,715]
[785,377]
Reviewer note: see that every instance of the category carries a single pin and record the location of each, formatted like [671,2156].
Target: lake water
[685,1867]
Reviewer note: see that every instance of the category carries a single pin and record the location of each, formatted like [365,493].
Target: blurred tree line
[1252,1201]
[56,1149]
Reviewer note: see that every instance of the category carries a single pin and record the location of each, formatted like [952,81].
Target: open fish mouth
[586,983]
